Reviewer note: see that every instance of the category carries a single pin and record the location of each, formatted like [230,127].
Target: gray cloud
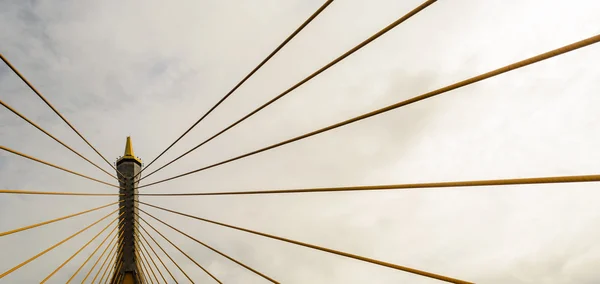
[150,70]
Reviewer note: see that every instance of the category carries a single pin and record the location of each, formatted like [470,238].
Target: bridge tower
[128,168]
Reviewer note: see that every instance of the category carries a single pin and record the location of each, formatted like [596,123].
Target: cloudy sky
[149,69]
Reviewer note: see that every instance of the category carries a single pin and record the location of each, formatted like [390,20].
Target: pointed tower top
[129,153]
[128,147]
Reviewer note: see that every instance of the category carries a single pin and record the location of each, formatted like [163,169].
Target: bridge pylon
[127,264]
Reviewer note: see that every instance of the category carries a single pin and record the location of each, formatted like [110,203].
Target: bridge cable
[55,166]
[55,139]
[148,255]
[118,238]
[111,265]
[54,220]
[209,247]
[164,251]
[140,252]
[180,250]
[17,191]
[141,274]
[140,255]
[143,264]
[80,249]
[288,39]
[311,76]
[108,256]
[113,277]
[119,225]
[155,253]
[52,107]
[120,279]
[507,68]
[54,246]
[114,269]
[113,258]
[345,254]
[516,181]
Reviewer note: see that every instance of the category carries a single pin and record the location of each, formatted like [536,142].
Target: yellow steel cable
[288,39]
[140,273]
[110,245]
[120,278]
[164,251]
[79,250]
[120,275]
[507,68]
[96,250]
[139,264]
[55,166]
[145,251]
[110,265]
[144,261]
[143,274]
[50,105]
[113,271]
[311,76]
[141,254]
[18,191]
[155,253]
[370,260]
[211,248]
[180,250]
[213,277]
[144,255]
[109,256]
[143,265]
[138,259]
[112,274]
[113,259]
[54,246]
[516,181]
[137,276]
[55,139]
[54,220]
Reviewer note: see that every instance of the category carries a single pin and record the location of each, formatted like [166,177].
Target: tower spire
[128,147]
[129,152]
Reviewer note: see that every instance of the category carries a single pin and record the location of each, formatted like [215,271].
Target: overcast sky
[149,69]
